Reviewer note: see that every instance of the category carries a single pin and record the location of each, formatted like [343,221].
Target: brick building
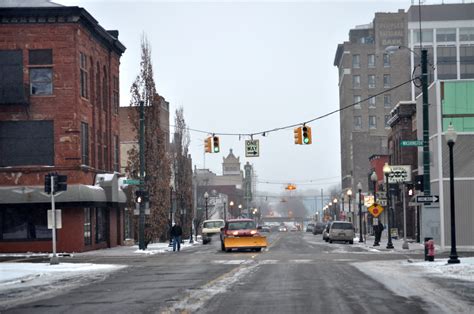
[59,101]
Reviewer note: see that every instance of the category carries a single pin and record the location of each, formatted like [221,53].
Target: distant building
[129,133]
[59,102]
[367,75]
[238,188]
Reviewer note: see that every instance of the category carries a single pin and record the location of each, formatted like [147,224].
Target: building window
[116,153]
[372,122]
[105,91]
[87,227]
[426,34]
[24,224]
[356,61]
[386,80]
[100,225]
[371,101]
[467,61]
[85,143]
[446,62]
[98,91]
[387,101]
[357,122]
[356,81]
[446,35]
[41,71]
[357,102]
[371,81]
[12,88]
[387,118]
[100,161]
[466,34]
[116,99]
[386,60]
[371,61]
[84,76]
[26,143]
[106,152]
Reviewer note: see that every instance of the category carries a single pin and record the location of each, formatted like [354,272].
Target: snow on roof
[28,4]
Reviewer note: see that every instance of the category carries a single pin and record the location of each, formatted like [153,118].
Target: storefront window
[24,224]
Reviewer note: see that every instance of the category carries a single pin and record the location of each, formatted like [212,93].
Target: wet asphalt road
[299,273]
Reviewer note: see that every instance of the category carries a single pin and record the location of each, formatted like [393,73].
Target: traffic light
[215,144]
[298,135]
[60,183]
[139,196]
[47,183]
[410,189]
[208,145]
[419,182]
[306,135]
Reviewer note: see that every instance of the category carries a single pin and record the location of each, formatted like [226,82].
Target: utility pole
[54,259]
[426,128]
[141,222]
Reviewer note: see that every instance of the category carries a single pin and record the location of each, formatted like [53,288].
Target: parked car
[310,227]
[341,231]
[318,228]
[265,229]
[211,228]
[326,231]
[242,234]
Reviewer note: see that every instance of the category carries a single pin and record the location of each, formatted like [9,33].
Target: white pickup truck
[211,228]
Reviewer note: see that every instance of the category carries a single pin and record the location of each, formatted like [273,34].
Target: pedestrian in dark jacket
[176,233]
[378,233]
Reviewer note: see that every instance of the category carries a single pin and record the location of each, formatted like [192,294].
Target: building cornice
[51,15]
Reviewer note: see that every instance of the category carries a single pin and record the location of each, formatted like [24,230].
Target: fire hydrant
[429,245]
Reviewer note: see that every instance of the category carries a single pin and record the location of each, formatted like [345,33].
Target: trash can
[426,247]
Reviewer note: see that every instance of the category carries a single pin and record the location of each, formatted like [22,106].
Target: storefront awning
[89,195]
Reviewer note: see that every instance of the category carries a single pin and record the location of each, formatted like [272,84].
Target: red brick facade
[83,108]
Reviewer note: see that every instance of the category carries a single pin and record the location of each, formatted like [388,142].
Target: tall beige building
[367,77]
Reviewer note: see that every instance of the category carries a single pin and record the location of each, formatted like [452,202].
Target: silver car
[341,231]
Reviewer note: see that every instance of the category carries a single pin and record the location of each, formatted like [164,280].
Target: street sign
[368,200]
[382,202]
[427,198]
[252,148]
[131,181]
[411,143]
[399,174]
[381,194]
[375,210]
[59,223]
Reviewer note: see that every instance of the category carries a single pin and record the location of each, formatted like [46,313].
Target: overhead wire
[265,132]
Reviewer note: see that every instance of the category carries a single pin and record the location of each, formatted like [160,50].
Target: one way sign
[427,199]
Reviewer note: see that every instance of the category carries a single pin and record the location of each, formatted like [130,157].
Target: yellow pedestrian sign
[375,210]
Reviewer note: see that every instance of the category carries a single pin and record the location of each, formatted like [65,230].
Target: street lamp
[374,179]
[386,171]
[240,209]
[206,198]
[451,136]
[359,187]
[171,215]
[231,205]
[349,195]
[335,208]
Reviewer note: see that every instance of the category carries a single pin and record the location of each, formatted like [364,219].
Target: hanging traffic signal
[139,195]
[208,145]
[47,183]
[298,136]
[215,142]
[306,134]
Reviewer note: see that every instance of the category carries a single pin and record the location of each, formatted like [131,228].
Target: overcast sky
[245,67]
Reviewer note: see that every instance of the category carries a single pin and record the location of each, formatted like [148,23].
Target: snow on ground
[410,279]
[22,282]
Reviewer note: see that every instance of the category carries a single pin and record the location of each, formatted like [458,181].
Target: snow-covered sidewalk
[22,282]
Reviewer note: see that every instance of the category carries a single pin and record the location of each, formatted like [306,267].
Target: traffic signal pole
[54,259]
[141,220]
[426,128]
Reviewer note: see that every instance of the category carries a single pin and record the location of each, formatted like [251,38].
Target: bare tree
[157,165]
[183,173]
